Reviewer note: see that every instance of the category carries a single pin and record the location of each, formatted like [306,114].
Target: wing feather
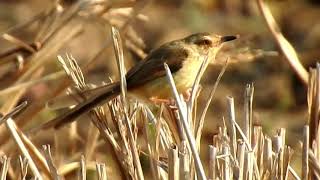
[152,67]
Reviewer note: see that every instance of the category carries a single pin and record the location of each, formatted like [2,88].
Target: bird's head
[206,42]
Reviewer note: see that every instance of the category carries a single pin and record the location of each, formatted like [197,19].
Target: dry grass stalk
[120,61]
[254,159]
[195,86]
[251,158]
[280,142]
[287,158]
[171,119]
[25,145]
[314,164]
[240,160]
[173,164]
[12,102]
[98,115]
[258,144]
[313,109]
[35,154]
[286,48]
[101,171]
[118,51]
[293,173]
[12,128]
[23,162]
[184,161]
[83,170]
[19,42]
[305,154]
[36,108]
[37,60]
[248,124]
[248,100]
[48,37]
[313,103]
[232,129]
[152,140]
[42,57]
[267,158]
[226,166]
[163,136]
[186,127]
[277,170]
[199,128]
[5,161]
[52,167]
[248,173]
[13,112]
[212,162]
[120,145]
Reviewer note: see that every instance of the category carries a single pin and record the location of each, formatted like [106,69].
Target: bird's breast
[185,77]
[159,88]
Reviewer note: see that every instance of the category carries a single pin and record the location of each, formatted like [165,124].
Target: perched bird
[147,78]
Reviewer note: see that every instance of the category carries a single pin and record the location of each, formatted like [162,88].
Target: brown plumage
[147,79]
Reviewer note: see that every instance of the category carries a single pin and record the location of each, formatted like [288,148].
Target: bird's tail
[84,107]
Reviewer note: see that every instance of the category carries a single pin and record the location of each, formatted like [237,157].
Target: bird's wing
[152,67]
[145,71]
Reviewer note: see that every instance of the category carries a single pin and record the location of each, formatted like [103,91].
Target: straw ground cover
[129,140]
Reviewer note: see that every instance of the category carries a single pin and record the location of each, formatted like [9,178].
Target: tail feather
[82,108]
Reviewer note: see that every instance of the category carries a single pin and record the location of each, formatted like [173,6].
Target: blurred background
[279,97]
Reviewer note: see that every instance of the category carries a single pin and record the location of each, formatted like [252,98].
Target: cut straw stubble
[191,140]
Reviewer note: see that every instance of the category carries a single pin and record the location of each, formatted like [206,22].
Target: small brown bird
[147,79]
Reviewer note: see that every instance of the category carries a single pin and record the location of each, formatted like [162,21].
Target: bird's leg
[169,102]
[187,95]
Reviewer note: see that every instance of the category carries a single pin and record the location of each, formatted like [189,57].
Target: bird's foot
[187,95]
[170,102]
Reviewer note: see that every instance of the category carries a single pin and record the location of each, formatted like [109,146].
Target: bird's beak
[228,38]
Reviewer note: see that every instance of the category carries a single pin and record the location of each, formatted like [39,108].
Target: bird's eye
[205,42]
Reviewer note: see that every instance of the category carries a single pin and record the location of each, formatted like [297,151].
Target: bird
[147,79]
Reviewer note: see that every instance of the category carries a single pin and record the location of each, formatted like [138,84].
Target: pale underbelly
[160,88]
